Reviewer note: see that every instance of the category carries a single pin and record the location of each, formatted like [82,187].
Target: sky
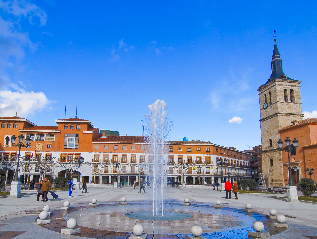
[111,59]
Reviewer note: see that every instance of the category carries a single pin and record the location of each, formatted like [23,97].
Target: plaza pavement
[16,222]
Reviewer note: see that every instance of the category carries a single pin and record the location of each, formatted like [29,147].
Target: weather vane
[274,35]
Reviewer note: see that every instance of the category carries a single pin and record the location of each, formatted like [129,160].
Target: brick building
[74,147]
[281,117]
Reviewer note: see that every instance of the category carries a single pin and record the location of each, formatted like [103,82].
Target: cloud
[123,48]
[308,114]
[231,93]
[235,120]
[27,103]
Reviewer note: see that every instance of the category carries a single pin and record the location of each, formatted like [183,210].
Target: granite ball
[186,200]
[196,230]
[71,223]
[43,215]
[280,218]
[66,204]
[46,208]
[248,206]
[272,212]
[258,226]
[94,200]
[123,199]
[138,229]
[218,202]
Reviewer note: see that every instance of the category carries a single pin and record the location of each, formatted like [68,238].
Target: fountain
[157,127]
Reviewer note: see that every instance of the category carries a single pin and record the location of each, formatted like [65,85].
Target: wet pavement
[108,219]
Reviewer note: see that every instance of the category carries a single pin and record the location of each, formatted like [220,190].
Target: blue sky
[112,59]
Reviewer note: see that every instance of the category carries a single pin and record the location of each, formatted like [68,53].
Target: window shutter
[65,141]
[76,141]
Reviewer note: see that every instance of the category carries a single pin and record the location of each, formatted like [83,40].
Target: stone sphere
[258,226]
[66,204]
[94,200]
[248,206]
[218,202]
[43,215]
[186,200]
[280,218]
[46,208]
[138,229]
[196,230]
[123,199]
[272,212]
[71,223]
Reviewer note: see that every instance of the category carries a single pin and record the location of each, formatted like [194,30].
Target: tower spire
[276,63]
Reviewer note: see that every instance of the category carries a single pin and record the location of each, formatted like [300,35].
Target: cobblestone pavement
[18,215]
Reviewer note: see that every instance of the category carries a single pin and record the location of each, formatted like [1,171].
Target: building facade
[74,148]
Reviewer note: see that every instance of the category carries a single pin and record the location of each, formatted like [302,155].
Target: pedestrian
[32,183]
[235,189]
[228,187]
[214,185]
[70,188]
[217,185]
[134,184]
[46,187]
[39,190]
[142,185]
[84,188]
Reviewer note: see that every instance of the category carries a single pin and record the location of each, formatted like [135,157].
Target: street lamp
[20,144]
[310,171]
[288,149]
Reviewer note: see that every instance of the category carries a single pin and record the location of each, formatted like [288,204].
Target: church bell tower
[280,105]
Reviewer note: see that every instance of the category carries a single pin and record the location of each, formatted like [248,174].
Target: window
[63,157]
[49,146]
[124,158]
[96,146]
[271,162]
[72,126]
[189,149]
[207,149]
[106,146]
[133,158]
[9,125]
[49,137]
[208,160]
[190,159]
[115,158]
[3,125]
[198,160]
[69,157]
[170,149]
[292,96]
[96,158]
[78,126]
[270,142]
[270,98]
[170,159]
[133,147]
[180,159]
[216,149]
[106,158]
[7,142]
[142,148]
[15,125]
[39,137]
[65,126]
[265,99]
[285,95]
[198,148]
[124,147]
[180,149]
[71,142]
[115,147]
[142,158]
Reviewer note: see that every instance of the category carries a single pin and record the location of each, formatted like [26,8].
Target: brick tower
[280,105]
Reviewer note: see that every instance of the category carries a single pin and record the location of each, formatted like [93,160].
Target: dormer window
[72,127]
[78,126]
[9,125]
[66,126]
[3,125]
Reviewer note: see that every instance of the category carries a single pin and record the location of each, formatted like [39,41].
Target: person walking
[46,187]
[142,185]
[235,189]
[70,188]
[84,186]
[134,184]
[228,187]
[38,186]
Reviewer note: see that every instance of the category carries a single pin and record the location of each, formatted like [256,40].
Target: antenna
[76,112]
[65,111]
[274,35]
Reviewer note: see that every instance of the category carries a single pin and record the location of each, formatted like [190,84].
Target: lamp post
[310,171]
[292,191]
[16,184]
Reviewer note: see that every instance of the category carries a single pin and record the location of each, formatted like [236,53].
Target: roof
[122,139]
[16,118]
[41,128]
[73,120]
[301,123]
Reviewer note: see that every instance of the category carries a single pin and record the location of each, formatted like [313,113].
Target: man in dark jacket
[142,185]
[228,187]
[38,186]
